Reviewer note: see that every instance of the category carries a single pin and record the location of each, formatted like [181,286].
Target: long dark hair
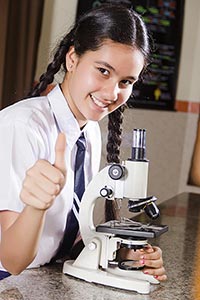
[114,22]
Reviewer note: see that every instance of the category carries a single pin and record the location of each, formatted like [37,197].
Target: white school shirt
[28,132]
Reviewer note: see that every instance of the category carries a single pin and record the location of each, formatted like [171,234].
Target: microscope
[98,261]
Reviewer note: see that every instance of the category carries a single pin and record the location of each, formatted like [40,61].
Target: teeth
[98,102]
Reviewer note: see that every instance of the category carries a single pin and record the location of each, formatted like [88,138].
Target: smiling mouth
[98,102]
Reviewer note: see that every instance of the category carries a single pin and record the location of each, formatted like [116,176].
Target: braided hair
[115,120]
[114,22]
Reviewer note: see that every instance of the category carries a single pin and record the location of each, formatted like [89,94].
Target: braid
[115,120]
[58,60]
[114,135]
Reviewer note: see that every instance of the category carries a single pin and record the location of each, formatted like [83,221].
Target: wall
[170,135]
[59,15]
[188,82]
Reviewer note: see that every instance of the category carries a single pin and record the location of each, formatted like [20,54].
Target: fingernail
[142,261]
[146,272]
[156,276]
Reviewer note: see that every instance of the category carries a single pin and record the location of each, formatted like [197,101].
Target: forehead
[120,57]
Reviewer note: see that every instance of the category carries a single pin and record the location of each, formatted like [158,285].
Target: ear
[71,59]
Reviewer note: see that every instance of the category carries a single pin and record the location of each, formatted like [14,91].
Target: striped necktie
[4,274]
[72,225]
[79,179]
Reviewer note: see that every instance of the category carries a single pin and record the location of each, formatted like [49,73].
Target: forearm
[195,169]
[19,242]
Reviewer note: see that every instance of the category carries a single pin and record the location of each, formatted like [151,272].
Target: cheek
[87,84]
[85,78]
[125,96]
[122,99]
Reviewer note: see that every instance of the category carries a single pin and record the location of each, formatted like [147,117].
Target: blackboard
[164,20]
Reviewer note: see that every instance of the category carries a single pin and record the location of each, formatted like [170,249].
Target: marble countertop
[181,252]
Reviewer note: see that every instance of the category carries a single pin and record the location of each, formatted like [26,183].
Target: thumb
[60,148]
[149,248]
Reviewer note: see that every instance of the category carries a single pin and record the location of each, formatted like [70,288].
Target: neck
[65,90]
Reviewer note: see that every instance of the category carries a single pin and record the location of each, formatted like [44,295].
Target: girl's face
[100,81]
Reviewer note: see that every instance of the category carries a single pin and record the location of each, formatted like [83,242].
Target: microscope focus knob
[116,171]
[106,192]
[92,246]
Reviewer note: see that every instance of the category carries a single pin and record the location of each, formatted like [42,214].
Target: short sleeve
[19,150]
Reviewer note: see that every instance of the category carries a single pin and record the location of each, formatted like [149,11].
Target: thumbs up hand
[44,181]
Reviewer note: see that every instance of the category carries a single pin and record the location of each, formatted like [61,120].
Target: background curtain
[20,27]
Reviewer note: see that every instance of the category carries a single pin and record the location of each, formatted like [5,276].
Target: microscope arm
[92,193]
[132,184]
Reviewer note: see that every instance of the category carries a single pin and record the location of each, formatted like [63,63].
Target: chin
[99,117]
[95,116]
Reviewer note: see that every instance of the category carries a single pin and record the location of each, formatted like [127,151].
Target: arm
[195,168]
[21,231]
[20,235]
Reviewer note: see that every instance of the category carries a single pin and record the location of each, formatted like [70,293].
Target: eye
[103,71]
[127,82]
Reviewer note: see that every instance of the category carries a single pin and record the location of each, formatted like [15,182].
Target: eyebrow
[134,78]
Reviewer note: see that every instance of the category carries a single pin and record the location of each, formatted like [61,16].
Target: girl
[103,56]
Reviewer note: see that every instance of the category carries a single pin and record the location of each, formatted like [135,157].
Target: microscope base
[114,277]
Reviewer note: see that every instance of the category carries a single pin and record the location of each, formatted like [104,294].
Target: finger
[33,201]
[60,148]
[48,185]
[161,277]
[34,189]
[45,169]
[155,272]
[148,248]
[156,263]
[152,253]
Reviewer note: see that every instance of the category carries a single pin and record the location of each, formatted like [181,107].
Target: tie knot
[81,142]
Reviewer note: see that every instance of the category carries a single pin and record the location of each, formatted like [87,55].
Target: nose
[111,91]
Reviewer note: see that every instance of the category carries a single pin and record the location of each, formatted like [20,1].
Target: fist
[44,181]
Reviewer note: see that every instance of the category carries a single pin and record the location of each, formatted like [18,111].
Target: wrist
[34,210]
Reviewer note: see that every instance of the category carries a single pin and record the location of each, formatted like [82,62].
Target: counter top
[181,254]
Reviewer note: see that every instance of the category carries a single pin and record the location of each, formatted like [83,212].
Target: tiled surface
[181,253]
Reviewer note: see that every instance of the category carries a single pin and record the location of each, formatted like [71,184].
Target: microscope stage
[132,230]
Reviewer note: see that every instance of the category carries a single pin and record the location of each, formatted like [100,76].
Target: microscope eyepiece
[139,144]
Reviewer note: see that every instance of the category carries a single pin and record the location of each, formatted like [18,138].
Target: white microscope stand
[92,264]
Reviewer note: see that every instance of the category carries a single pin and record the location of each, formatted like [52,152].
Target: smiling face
[100,81]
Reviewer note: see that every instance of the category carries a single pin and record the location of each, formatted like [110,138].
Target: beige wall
[59,15]
[188,82]
[170,135]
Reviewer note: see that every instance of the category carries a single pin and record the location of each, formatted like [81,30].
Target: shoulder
[33,112]
[29,126]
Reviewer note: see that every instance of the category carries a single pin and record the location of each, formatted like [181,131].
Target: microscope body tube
[135,185]
[137,167]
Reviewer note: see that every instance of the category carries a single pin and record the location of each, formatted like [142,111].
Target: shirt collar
[64,117]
